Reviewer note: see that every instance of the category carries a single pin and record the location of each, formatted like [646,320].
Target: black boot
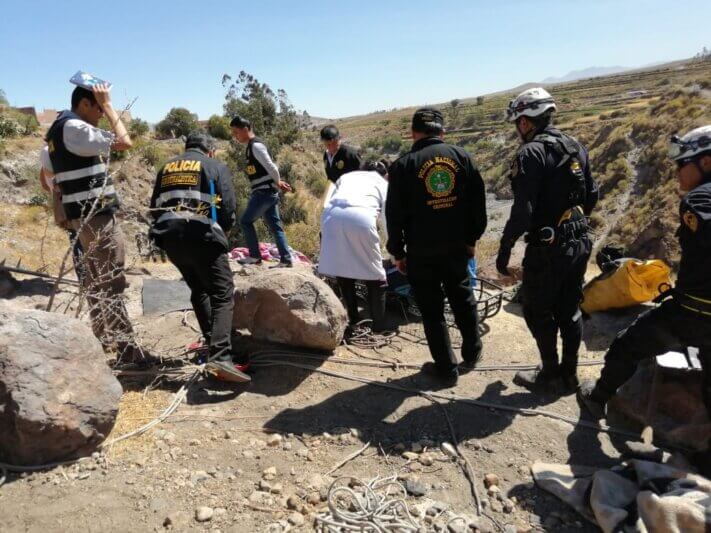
[350,299]
[376,305]
[592,398]
[540,379]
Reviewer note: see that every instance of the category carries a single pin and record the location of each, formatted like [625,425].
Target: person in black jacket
[193,206]
[683,321]
[338,158]
[435,213]
[554,193]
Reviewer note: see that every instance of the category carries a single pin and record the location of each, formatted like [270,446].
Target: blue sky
[333,58]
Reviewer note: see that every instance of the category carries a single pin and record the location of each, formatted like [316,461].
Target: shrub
[391,143]
[219,127]
[138,128]
[179,121]
[9,127]
[151,155]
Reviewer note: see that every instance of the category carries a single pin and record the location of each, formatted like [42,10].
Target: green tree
[138,128]
[3,98]
[179,121]
[271,114]
[219,127]
[454,110]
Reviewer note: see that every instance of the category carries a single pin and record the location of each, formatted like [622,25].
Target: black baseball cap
[427,118]
[240,122]
[201,140]
[330,132]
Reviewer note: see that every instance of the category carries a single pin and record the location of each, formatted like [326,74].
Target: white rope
[367,507]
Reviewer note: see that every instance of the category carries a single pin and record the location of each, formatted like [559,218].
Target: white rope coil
[377,506]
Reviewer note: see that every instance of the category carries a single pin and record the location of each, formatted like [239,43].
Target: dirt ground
[218,450]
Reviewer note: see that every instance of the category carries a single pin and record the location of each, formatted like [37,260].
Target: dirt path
[214,451]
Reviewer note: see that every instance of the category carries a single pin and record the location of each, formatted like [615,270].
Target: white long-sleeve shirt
[261,154]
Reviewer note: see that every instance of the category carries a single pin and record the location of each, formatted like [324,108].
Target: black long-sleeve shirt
[541,190]
[695,239]
[436,200]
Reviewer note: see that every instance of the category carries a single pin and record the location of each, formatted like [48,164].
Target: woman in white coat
[350,243]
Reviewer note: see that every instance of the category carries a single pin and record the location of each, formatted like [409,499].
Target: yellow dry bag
[632,282]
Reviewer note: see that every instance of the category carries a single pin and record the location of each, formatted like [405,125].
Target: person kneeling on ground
[684,318]
[350,244]
[193,205]
[265,182]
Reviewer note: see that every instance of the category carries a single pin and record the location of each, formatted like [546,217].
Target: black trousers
[376,301]
[431,278]
[664,328]
[551,294]
[207,272]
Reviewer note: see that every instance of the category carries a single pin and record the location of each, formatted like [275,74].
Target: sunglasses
[532,105]
[678,147]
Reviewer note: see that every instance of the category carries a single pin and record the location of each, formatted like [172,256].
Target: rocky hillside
[624,120]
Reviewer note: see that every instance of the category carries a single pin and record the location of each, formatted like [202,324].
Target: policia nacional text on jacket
[436,211]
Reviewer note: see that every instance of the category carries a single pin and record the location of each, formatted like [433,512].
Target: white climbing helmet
[694,143]
[530,103]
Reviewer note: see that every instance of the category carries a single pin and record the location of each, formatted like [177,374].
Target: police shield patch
[691,221]
[340,165]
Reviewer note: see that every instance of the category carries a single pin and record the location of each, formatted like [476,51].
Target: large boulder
[290,306]
[670,401]
[58,397]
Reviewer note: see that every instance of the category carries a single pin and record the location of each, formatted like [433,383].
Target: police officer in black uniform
[554,192]
[435,213]
[338,158]
[683,320]
[193,206]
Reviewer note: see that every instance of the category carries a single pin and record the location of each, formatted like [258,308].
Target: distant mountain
[591,72]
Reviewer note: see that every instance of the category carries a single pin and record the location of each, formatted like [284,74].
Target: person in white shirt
[350,243]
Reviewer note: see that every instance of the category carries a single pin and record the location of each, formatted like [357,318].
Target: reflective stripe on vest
[87,195]
[183,194]
[70,175]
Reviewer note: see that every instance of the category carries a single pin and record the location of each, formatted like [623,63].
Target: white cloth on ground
[350,244]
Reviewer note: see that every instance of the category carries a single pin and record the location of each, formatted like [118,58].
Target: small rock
[287,446]
[458,526]
[415,487]
[509,506]
[256,497]
[494,490]
[491,480]
[496,506]
[274,440]
[270,473]
[275,528]
[449,450]
[199,475]
[204,514]
[277,488]
[265,486]
[314,498]
[426,459]
[296,519]
[302,453]
[228,435]
[416,447]
[194,442]
[355,433]
[293,502]
[410,456]
[510,528]
[248,454]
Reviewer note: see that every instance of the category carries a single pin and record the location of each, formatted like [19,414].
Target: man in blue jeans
[264,179]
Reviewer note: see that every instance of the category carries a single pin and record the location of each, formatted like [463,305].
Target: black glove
[502,260]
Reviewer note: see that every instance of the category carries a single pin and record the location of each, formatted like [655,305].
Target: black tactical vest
[563,187]
[81,180]
[259,177]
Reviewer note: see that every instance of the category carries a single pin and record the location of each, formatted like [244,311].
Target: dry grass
[135,410]
[29,234]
